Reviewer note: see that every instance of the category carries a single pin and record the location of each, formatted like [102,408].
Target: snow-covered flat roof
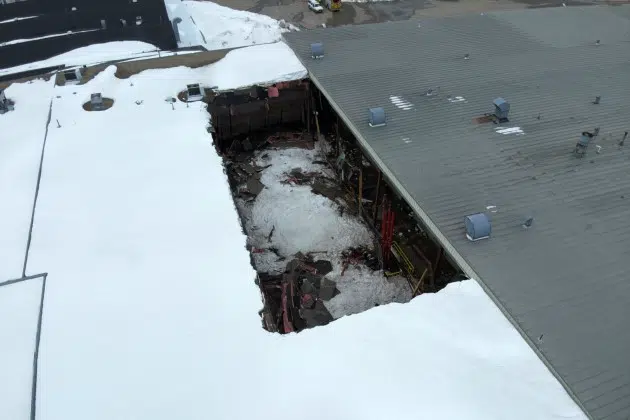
[21,139]
[19,312]
[217,27]
[151,308]
[90,55]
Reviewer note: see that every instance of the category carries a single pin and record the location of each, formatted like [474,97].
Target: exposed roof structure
[565,281]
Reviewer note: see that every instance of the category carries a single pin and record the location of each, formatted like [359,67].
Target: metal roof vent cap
[377,117]
[317,50]
[96,101]
[501,109]
[478,227]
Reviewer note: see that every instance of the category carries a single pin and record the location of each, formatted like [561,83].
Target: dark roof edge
[463,264]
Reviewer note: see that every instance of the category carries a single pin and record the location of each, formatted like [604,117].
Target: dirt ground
[297,12]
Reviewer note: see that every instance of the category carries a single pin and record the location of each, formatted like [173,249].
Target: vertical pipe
[337,138]
[308,113]
[317,124]
[361,189]
[375,205]
[321,105]
[230,114]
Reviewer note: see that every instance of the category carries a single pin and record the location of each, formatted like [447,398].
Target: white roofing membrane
[21,139]
[19,312]
[151,308]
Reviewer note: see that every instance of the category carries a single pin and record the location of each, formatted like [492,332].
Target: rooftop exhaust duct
[377,117]
[478,227]
[501,109]
[317,50]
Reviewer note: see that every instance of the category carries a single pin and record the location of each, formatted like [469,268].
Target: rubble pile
[359,256]
[302,290]
[311,251]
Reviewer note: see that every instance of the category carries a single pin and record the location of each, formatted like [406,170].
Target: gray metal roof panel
[566,278]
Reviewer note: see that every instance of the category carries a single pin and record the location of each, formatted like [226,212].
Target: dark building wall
[61,16]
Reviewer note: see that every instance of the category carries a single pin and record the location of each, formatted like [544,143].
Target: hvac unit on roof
[317,50]
[501,109]
[477,227]
[377,117]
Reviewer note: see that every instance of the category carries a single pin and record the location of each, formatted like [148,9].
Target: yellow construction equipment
[333,5]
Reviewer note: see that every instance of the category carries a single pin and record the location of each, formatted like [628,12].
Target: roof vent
[377,117]
[317,50]
[72,76]
[477,227]
[96,101]
[195,92]
[501,109]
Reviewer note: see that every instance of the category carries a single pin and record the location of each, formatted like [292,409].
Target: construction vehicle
[333,5]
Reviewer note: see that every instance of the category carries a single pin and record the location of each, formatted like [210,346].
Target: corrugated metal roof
[565,282]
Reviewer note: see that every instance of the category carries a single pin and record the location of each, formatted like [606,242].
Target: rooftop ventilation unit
[501,109]
[195,92]
[72,76]
[477,227]
[96,102]
[377,117]
[317,50]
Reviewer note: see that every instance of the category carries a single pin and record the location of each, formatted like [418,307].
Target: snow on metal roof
[562,281]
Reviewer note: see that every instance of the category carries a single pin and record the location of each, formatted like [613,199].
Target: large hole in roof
[316,212]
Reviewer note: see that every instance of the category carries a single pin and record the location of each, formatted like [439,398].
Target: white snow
[218,27]
[19,311]
[361,289]
[295,210]
[21,138]
[17,19]
[20,41]
[260,63]
[510,130]
[151,309]
[93,54]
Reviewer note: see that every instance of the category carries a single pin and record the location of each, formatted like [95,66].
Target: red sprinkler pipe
[286,324]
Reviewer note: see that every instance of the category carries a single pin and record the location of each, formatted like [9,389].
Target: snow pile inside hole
[314,256]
